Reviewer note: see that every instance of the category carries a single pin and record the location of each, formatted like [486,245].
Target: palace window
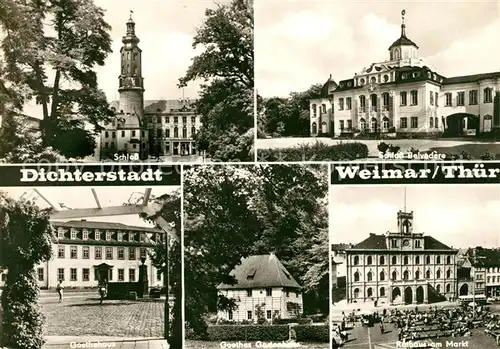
[341,125]
[106,134]
[131,253]
[123,133]
[110,275]
[269,292]
[356,292]
[417,275]
[369,292]
[385,100]
[341,103]
[428,274]
[414,97]
[167,119]
[133,133]
[394,275]
[431,98]
[108,235]
[176,132]
[249,315]
[109,252]
[448,99]
[369,276]
[448,288]
[85,234]
[121,274]
[394,260]
[167,132]
[73,252]
[460,98]
[362,124]
[473,97]
[406,275]
[356,276]
[403,98]
[385,123]
[438,274]
[184,132]
[373,98]
[438,288]
[403,122]
[314,112]
[121,253]
[382,276]
[438,260]
[314,128]
[405,260]
[193,119]
[60,233]
[98,235]
[382,260]
[448,274]
[184,120]
[356,260]
[85,274]
[414,122]
[362,103]
[369,260]
[431,122]
[488,95]
[131,275]
[436,99]
[176,119]
[193,131]
[448,260]
[269,314]
[60,274]
[73,234]
[142,252]
[348,103]
[120,236]
[417,258]
[428,259]
[394,243]
[382,292]
[40,274]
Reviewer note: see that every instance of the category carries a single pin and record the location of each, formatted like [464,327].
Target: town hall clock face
[406,243]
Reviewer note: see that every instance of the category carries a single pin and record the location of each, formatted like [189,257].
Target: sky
[166,30]
[299,43]
[82,197]
[457,215]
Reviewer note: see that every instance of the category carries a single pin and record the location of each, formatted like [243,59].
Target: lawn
[189,344]
[85,316]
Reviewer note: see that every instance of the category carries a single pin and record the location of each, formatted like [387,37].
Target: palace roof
[259,272]
[470,78]
[403,40]
[153,106]
[379,242]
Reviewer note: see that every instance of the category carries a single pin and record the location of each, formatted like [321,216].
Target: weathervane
[131,12]
[403,15]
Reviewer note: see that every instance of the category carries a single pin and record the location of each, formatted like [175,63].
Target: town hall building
[402,267]
[404,97]
[147,128]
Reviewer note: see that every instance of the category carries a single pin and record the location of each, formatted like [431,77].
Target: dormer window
[130,237]
[97,235]
[60,233]
[120,236]
[108,235]
[251,274]
[85,234]
[142,237]
[73,233]
[361,82]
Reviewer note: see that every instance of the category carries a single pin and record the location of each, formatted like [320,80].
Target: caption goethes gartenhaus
[258,344]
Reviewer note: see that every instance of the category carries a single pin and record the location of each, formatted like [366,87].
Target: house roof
[261,271]
[470,78]
[103,226]
[378,242]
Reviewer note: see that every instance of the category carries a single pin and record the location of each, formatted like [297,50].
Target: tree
[288,116]
[25,241]
[67,38]
[234,212]
[227,98]
[171,212]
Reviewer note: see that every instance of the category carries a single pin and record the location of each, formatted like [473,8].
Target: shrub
[248,333]
[394,148]
[383,147]
[488,156]
[465,155]
[316,152]
[310,333]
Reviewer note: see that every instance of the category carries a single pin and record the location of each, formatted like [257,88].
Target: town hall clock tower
[131,82]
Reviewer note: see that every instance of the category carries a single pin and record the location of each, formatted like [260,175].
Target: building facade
[262,283]
[401,267]
[402,96]
[142,128]
[79,247]
[479,272]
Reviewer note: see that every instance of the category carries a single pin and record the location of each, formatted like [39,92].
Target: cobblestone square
[86,317]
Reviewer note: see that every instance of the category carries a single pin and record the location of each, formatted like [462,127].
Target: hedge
[248,333]
[310,333]
[302,321]
[318,151]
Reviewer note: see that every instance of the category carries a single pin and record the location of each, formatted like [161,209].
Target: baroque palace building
[401,267]
[402,96]
[80,247]
[150,128]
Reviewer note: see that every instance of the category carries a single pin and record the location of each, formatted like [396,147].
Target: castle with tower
[144,129]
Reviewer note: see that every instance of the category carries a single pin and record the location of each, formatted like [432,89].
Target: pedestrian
[381,328]
[60,289]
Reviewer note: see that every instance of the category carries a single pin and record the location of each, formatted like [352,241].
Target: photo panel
[90,265]
[123,82]
[415,265]
[256,256]
[352,80]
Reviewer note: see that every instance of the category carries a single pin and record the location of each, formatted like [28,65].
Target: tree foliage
[234,212]
[226,65]
[287,116]
[50,50]
[25,234]
[171,212]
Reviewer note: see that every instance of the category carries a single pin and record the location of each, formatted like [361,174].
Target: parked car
[155,292]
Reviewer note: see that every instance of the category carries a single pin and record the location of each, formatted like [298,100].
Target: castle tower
[403,50]
[405,222]
[131,82]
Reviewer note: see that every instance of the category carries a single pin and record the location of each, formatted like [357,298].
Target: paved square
[85,317]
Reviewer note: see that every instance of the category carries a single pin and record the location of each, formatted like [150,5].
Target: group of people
[102,289]
[416,324]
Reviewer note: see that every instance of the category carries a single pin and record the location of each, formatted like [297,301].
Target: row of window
[123,133]
[269,293]
[159,119]
[369,291]
[406,275]
[159,132]
[406,260]
[109,252]
[250,314]
[97,235]
[433,100]
[85,274]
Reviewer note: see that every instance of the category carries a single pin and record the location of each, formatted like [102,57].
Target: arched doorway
[408,295]
[464,290]
[420,294]
[373,125]
[462,124]
[396,292]
[487,123]
[314,129]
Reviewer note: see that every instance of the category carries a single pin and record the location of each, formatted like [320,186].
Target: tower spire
[403,26]
[131,13]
